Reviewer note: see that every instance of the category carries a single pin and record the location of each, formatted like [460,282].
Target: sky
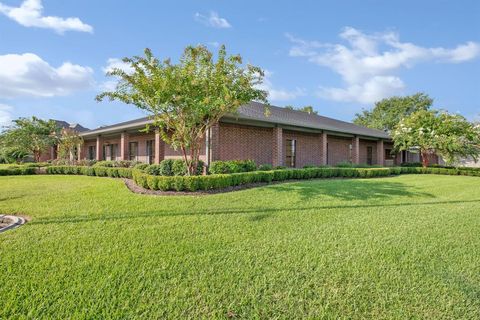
[337,56]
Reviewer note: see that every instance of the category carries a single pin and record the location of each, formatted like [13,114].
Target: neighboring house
[282,138]
[468,162]
[52,153]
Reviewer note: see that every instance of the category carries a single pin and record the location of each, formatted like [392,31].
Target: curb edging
[15,222]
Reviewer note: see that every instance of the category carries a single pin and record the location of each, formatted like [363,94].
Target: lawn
[400,247]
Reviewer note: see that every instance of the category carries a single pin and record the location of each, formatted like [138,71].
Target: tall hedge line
[91,171]
[17,171]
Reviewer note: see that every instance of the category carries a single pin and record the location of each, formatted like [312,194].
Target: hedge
[221,181]
[17,171]
[91,171]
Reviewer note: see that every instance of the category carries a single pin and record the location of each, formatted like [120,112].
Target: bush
[86,163]
[141,166]
[265,167]
[166,168]
[117,163]
[179,168]
[17,171]
[232,166]
[153,169]
[411,164]
[344,164]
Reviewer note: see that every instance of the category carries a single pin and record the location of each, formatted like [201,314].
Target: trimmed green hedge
[221,181]
[91,171]
[17,171]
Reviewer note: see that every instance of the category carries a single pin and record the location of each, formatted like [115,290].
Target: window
[290,153]
[92,152]
[132,151]
[369,156]
[388,154]
[151,151]
[113,151]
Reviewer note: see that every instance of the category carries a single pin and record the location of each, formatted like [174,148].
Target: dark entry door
[369,156]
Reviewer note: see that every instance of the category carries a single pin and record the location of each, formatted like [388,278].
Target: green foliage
[232,166]
[29,136]
[16,171]
[387,113]
[116,163]
[306,109]
[68,142]
[141,166]
[172,167]
[432,132]
[166,168]
[265,167]
[188,98]
[179,168]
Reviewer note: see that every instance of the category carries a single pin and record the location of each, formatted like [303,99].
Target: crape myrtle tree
[437,132]
[387,113]
[186,99]
[30,136]
[68,142]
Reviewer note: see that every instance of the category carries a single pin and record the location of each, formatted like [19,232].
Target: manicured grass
[401,247]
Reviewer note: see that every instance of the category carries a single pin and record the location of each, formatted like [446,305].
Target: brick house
[283,137]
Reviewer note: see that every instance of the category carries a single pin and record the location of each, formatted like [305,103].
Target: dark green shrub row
[171,167]
[232,166]
[91,171]
[116,164]
[17,171]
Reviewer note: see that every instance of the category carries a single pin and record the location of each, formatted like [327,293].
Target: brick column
[159,148]
[324,145]
[124,139]
[80,152]
[99,148]
[356,150]
[380,153]
[215,142]
[277,147]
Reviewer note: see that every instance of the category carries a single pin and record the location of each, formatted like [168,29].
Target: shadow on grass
[345,189]
[258,214]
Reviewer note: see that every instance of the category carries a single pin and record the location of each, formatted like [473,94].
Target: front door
[369,156]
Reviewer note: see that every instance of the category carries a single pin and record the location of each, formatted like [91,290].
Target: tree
[68,142]
[307,109]
[188,98]
[387,113]
[433,132]
[30,135]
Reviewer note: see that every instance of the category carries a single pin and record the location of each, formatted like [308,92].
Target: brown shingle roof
[256,111]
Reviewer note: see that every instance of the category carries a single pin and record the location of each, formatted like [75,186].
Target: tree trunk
[424,159]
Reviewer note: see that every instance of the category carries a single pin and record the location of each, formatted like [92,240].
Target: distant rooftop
[75,126]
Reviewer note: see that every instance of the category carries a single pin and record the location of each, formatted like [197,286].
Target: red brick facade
[264,145]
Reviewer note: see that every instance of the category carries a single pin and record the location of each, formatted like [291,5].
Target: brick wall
[245,142]
[309,147]
[338,149]
[364,144]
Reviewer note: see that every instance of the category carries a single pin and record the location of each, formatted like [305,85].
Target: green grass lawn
[400,247]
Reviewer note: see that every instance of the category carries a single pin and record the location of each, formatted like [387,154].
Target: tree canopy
[68,142]
[29,136]
[187,98]
[387,113]
[433,132]
[307,109]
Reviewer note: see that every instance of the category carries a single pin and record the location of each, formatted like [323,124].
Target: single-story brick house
[283,137]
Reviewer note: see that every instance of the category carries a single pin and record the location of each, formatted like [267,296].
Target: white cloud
[212,20]
[5,115]
[28,75]
[277,94]
[214,44]
[29,14]
[368,63]
[114,63]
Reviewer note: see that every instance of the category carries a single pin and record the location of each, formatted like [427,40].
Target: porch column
[159,148]
[124,139]
[356,150]
[324,146]
[277,147]
[80,152]
[380,153]
[99,148]
[52,153]
[215,142]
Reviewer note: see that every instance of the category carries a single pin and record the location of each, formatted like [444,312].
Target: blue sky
[339,56]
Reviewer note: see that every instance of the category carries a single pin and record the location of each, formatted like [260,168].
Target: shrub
[154,169]
[117,163]
[179,168]
[232,166]
[307,166]
[16,171]
[265,167]
[166,167]
[87,163]
[141,166]
[280,168]
[411,164]
[344,164]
